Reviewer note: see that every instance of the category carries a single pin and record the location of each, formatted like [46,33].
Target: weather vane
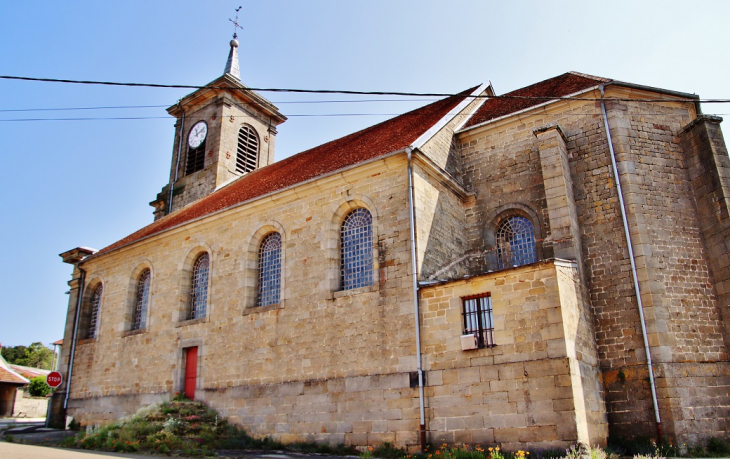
[235,23]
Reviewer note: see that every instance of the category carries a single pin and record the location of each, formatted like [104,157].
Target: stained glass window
[199,287]
[141,301]
[95,310]
[269,287]
[515,242]
[356,245]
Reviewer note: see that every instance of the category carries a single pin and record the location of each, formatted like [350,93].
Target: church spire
[232,64]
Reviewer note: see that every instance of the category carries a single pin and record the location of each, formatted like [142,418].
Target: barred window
[269,288]
[356,245]
[199,287]
[478,318]
[515,242]
[95,310]
[248,149]
[141,300]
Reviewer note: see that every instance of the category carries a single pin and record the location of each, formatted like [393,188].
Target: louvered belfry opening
[196,159]
[248,149]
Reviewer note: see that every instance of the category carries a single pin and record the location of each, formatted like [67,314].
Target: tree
[38,387]
[36,356]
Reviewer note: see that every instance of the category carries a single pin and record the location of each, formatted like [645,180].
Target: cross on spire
[236,25]
[232,64]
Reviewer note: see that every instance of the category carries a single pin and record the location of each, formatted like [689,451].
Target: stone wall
[312,335]
[539,387]
[502,163]
[30,407]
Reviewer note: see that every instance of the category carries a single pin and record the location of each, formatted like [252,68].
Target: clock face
[197,134]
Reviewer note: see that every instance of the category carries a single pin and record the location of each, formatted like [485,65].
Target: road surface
[17,451]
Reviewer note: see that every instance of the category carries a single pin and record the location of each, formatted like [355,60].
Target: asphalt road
[17,451]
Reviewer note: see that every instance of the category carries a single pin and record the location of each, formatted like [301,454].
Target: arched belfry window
[269,286]
[356,249]
[248,149]
[515,239]
[199,287]
[95,310]
[141,301]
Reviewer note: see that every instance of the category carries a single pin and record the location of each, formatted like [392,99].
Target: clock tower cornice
[237,90]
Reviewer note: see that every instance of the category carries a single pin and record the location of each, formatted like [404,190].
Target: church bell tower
[223,131]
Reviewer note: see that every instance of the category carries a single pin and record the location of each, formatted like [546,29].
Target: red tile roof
[8,376]
[389,136]
[559,86]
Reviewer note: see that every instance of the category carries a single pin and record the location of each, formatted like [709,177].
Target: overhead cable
[342,91]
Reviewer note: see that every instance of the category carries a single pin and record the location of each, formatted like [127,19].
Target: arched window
[248,149]
[515,242]
[199,287]
[356,249]
[141,300]
[94,312]
[269,270]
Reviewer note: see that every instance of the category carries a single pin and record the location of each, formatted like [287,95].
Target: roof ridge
[532,95]
[588,75]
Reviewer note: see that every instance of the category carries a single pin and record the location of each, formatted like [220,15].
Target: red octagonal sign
[54,379]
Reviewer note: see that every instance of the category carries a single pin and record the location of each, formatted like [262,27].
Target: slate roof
[559,86]
[378,140]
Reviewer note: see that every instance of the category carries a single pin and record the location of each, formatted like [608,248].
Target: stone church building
[533,269]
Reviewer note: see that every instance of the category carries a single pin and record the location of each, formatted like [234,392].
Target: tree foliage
[38,387]
[36,356]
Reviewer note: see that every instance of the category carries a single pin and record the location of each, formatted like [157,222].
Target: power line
[341,91]
[78,108]
[314,115]
[114,107]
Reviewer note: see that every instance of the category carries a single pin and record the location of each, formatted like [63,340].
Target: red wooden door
[191,371]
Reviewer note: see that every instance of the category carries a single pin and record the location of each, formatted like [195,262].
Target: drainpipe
[75,333]
[412,218]
[633,272]
[179,153]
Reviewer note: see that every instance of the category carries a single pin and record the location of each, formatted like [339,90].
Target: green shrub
[718,447]
[38,387]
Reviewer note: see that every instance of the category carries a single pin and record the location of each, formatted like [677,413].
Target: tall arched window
[515,242]
[94,312]
[269,288]
[199,287]
[356,249]
[248,149]
[141,300]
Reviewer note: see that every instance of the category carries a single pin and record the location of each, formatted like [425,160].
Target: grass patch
[186,428]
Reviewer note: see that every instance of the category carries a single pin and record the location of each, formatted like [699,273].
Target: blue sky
[89,182]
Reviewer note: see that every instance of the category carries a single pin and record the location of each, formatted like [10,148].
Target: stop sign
[54,379]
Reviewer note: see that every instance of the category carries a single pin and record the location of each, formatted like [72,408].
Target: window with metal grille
[195,159]
[269,270]
[515,242]
[478,318]
[356,250]
[248,149]
[95,310]
[141,300]
[199,287]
